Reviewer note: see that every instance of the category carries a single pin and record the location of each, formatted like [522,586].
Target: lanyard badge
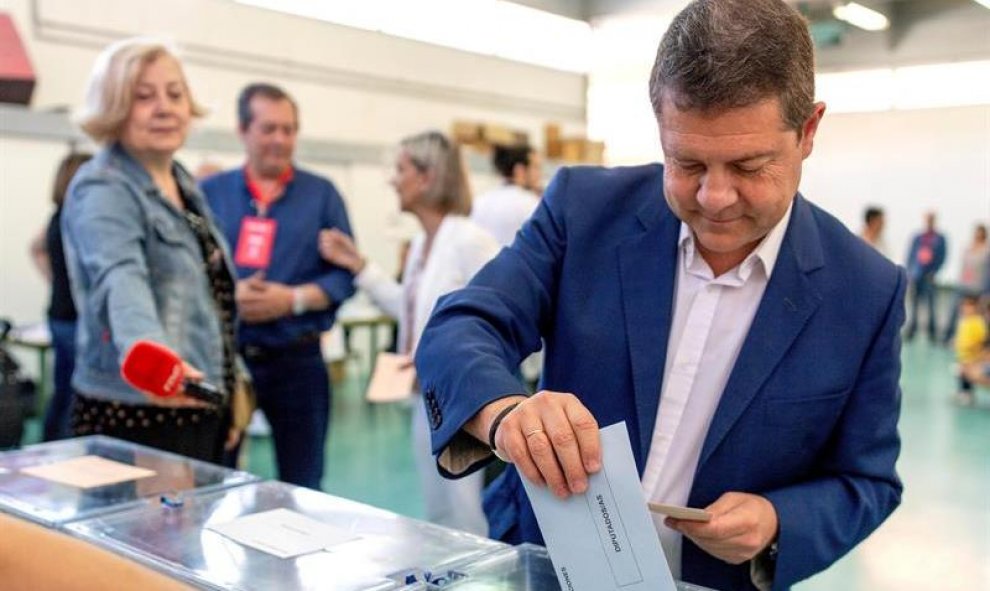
[257,236]
[254,242]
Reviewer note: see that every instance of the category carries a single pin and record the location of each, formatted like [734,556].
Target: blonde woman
[431,184]
[145,260]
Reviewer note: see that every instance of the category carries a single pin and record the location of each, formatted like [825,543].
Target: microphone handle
[204,391]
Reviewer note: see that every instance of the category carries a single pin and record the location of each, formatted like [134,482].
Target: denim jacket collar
[119,157]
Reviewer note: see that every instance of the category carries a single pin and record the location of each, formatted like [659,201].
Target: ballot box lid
[32,485]
[526,567]
[387,551]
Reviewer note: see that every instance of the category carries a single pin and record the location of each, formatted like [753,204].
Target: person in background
[503,209]
[872,232]
[272,212]
[971,341]
[974,277]
[924,260]
[704,302]
[145,259]
[977,372]
[49,257]
[432,185]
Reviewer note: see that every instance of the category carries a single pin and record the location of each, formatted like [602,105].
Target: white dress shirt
[503,210]
[712,316]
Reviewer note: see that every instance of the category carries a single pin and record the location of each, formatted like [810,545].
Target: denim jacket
[137,272]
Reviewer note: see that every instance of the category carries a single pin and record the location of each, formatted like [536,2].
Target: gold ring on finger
[533,432]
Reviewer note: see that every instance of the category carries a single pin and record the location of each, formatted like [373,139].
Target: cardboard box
[594,152]
[466,132]
[497,135]
[572,149]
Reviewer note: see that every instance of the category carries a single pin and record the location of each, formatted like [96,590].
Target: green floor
[938,539]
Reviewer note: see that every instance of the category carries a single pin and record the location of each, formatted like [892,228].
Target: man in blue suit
[748,339]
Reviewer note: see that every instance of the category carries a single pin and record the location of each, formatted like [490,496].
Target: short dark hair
[265,90]
[724,54]
[505,158]
[871,214]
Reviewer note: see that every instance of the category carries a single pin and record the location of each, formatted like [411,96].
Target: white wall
[907,162]
[351,85]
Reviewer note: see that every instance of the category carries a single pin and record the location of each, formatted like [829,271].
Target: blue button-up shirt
[309,204]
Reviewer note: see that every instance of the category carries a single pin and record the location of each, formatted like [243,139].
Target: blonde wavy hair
[110,89]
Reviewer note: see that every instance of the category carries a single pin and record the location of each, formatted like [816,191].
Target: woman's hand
[339,249]
[181,400]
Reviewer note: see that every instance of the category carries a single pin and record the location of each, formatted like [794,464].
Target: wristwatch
[298,301]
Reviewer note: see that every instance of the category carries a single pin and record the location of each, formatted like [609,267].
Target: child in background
[971,338]
[978,372]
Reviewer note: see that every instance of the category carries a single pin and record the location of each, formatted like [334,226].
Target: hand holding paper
[604,539]
[553,440]
[742,525]
[392,379]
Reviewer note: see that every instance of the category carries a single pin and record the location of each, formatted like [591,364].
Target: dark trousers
[60,406]
[293,390]
[922,290]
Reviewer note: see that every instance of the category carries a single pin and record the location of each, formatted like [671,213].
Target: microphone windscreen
[153,368]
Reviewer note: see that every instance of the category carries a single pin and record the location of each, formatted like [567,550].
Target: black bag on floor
[17,395]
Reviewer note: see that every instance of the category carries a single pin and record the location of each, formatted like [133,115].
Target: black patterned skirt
[193,432]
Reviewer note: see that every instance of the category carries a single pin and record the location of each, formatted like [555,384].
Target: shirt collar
[765,253]
[254,188]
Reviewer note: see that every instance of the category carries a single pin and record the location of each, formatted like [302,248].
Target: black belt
[308,343]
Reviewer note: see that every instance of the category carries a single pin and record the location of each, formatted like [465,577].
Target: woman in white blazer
[431,184]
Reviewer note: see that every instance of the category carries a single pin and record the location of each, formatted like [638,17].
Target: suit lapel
[647,273]
[788,302]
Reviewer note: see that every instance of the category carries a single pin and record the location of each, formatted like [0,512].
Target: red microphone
[156,369]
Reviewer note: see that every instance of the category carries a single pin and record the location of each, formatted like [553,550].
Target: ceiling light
[861,16]
[984,2]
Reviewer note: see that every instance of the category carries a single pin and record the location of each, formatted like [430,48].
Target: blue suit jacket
[808,418]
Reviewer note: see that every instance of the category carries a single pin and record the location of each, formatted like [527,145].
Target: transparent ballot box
[63,481]
[526,567]
[384,550]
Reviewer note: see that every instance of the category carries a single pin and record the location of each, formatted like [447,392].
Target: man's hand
[262,301]
[742,525]
[553,440]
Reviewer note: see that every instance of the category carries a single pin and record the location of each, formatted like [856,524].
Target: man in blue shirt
[924,260]
[272,213]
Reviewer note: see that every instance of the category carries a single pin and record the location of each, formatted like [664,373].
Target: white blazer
[503,210]
[459,250]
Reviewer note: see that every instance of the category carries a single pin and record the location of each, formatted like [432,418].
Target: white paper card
[88,472]
[393,378]
[604,539]
[282,533]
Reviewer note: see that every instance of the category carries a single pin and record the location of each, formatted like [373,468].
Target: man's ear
[810,128]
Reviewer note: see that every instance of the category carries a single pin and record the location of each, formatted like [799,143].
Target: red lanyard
[260,198]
